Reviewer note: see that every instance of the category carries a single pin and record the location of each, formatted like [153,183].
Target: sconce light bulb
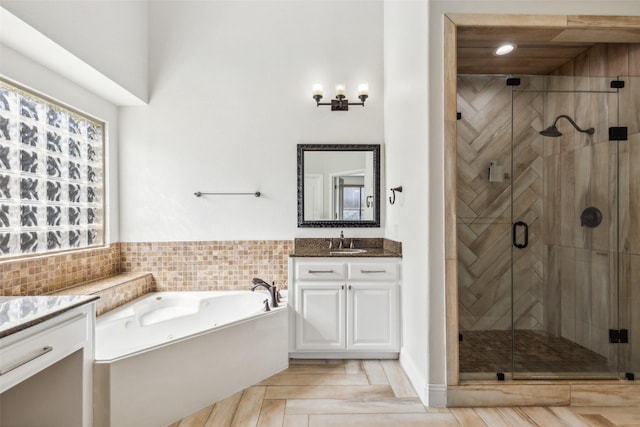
[363,89]
[341,90]
[317,90]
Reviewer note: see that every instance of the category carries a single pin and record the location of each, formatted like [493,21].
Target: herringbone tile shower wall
[484,208]
[572,281]
[593,272]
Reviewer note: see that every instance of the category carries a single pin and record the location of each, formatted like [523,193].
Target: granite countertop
[18,313]
[372,247]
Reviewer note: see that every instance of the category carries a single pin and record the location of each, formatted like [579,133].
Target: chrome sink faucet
[341,244]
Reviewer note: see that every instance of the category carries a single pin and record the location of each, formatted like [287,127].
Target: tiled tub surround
[51,273]
[114,291]
[210,265]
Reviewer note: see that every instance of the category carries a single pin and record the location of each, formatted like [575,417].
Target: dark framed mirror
[338,185]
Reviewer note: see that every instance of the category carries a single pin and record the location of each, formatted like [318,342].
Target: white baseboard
[431,395]
[436,395]
[418,383]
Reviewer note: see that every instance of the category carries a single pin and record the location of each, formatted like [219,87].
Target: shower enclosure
[548,226]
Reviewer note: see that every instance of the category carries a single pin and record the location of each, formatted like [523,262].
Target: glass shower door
[564,253]
[629,242]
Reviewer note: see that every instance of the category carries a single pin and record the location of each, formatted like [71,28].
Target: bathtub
[169,354]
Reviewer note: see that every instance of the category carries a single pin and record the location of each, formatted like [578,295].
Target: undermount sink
[347,251]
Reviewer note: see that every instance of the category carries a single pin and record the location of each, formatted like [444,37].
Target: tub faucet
[257,280]
[273,291]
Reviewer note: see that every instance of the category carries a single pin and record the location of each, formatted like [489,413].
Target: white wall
[230,98]
[110,36]
[406,114]
[33,75]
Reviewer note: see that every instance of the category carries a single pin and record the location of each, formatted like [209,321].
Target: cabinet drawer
[24,358]
[321,271]
[373,271]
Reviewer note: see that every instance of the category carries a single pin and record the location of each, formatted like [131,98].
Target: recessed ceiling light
[505,49]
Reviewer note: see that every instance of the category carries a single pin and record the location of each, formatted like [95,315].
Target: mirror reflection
[338,185]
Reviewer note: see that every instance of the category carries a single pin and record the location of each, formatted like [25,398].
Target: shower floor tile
[535,351]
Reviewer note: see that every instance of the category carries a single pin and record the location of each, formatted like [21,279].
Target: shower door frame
[562,242]
[526,392]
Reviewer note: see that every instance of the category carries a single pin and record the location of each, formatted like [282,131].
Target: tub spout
[257,280]
[263,285]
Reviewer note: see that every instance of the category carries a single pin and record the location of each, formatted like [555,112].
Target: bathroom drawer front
[28,356]
[374,271]
[320,271]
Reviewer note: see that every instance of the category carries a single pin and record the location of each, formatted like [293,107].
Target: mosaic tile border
[209,265]
[50,273]
[176,266]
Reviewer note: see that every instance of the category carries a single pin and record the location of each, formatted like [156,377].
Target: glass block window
[51,175]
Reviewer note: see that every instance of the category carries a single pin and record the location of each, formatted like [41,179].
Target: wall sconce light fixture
[341,103]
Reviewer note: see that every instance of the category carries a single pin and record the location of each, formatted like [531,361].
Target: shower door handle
[526,234]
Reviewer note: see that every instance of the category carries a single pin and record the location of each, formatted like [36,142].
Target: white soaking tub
[169,354]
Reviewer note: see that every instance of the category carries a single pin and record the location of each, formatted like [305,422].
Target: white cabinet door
[372,317]
[320,316]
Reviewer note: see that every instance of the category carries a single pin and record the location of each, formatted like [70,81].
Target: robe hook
[392,199]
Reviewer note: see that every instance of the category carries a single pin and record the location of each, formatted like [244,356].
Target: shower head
[552,131]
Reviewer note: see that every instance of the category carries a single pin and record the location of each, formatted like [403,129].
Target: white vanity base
[344,307]
[46,371]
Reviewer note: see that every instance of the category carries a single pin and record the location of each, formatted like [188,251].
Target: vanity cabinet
[345,308]
[46,366]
